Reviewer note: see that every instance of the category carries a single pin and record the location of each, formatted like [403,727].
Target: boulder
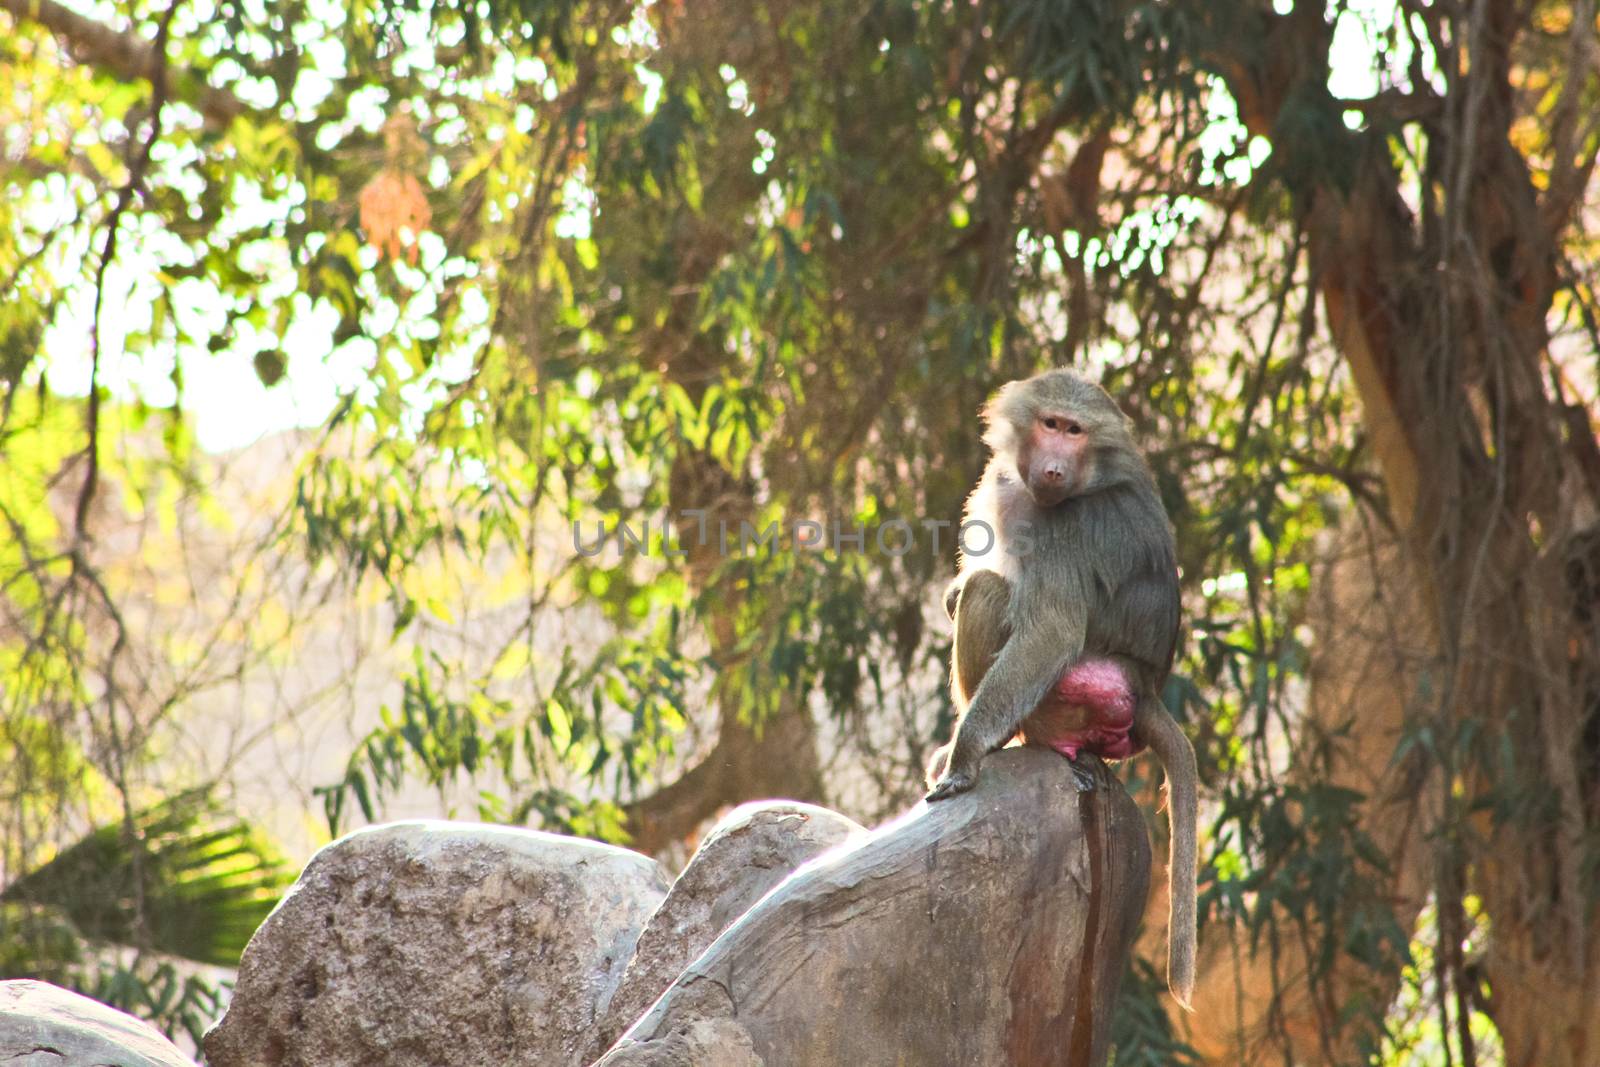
[993,927]
[749,851]
[42,1025]
[435,943]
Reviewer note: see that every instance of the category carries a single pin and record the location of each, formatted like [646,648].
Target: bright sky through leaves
[224,397]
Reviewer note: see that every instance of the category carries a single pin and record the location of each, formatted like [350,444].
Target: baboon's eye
[1051,422]
[1074,429]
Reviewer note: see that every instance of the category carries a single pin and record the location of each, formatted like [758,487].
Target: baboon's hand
[936,765]
[952,784]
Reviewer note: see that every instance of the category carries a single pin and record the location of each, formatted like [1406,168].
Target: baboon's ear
[999,418]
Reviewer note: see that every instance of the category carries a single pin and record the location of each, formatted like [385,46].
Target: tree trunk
[750,760]
[778,759]
[1262,1004]
[1442,321]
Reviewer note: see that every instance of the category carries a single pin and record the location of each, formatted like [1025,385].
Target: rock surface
[435,943]
[42,1025]
[993,927]
[752,849]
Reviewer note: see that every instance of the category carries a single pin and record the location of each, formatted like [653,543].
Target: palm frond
[190,880]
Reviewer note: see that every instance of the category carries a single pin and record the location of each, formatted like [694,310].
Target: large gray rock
[990,928]
[752,849]
[427,944]
[42,1025]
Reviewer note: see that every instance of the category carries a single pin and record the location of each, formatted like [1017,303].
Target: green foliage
[1141,1033]
[171,999]
[1311,861]
[182,878]
[444,738]
[124,913]
[38,941]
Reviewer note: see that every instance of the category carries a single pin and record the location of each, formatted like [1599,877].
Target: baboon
[1066,626]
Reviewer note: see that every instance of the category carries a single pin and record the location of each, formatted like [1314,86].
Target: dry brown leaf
[391,202]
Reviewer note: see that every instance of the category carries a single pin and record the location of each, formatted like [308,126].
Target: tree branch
[126,56]
[1396,105]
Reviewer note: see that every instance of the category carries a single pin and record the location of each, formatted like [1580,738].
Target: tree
[761,264]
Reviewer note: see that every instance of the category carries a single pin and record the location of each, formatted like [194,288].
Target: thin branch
[1396,105]
[136,172]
